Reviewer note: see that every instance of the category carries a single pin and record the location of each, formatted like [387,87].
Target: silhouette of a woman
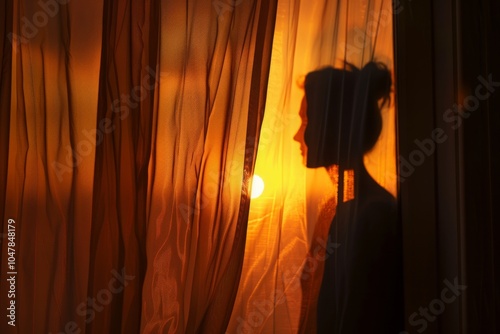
[361,288]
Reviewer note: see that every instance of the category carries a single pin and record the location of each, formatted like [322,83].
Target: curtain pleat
[124,118]
[218,315]
[53,103]
[212,84]
[130,136]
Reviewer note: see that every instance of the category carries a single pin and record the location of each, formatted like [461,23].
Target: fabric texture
[287,240]
[130,132]
[133,130]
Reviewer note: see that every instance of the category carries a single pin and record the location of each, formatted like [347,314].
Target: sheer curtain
[297,205]
[133,131]
[129,136]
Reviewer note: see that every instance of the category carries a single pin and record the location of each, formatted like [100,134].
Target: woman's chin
[304,159]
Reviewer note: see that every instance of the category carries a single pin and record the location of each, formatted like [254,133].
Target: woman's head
[342,113]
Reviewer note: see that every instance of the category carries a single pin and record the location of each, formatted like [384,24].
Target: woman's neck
[352,179]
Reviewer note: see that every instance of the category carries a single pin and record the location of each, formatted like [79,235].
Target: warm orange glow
[257,186]
[295,214]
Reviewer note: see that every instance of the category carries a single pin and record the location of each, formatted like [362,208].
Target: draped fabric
[289,222]
[133,129]
[130,131]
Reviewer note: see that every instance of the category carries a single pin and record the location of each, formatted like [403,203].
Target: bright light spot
[257,186]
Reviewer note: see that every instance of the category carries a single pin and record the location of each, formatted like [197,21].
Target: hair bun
[378,80]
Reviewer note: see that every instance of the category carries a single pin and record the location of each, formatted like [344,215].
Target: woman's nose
[301,132]
[295,137]
[299,136]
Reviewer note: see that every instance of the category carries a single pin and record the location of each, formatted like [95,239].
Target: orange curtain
[297,205]
[131,135]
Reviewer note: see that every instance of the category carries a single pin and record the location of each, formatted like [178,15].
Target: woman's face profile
[336,127]
[300,135]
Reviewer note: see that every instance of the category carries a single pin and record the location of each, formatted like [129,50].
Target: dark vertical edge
[141,55]
[125,61]
[494,182]
[480,52]
[448,194]
[414,65]
[6,27]
[98,166]
[146,123]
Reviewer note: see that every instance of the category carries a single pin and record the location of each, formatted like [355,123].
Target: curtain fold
[125,112]
[287,236]
[54,93]
[208,66]
[133,132]
[129,139]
